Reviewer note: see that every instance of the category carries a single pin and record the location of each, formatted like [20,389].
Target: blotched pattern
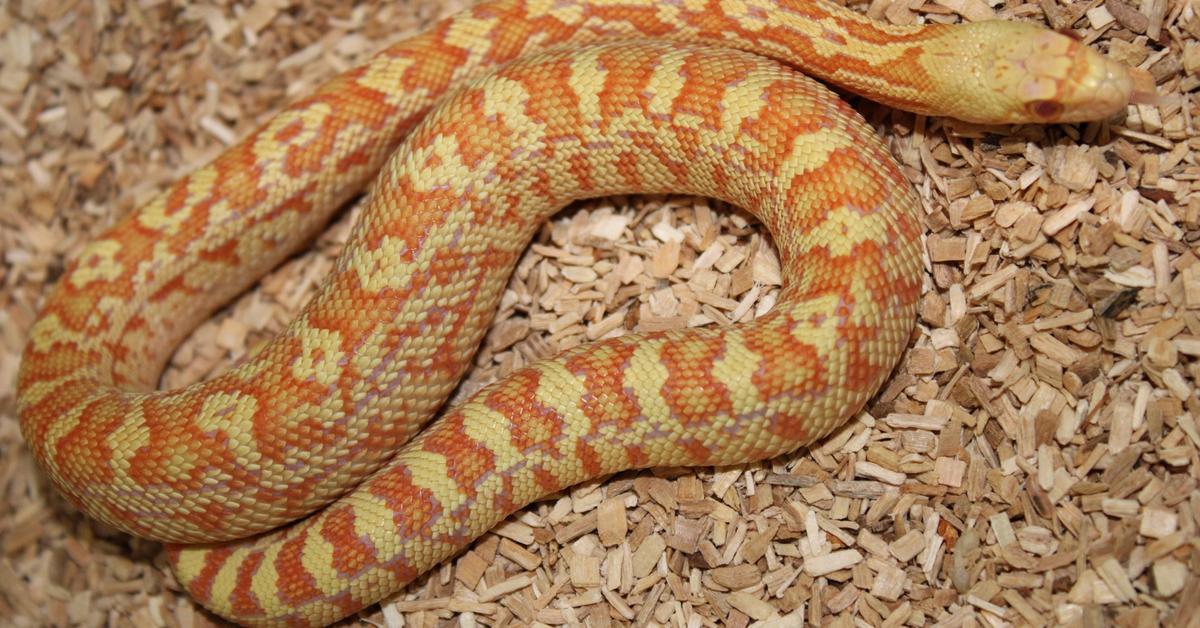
[462,198]
[327,405]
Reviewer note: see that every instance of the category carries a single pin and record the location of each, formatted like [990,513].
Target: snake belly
[321,422]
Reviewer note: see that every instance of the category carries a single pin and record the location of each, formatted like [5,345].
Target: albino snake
[535,103]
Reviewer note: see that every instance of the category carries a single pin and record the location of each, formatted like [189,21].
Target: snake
[322,474]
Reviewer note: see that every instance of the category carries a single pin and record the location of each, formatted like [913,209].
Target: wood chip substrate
[1032,461]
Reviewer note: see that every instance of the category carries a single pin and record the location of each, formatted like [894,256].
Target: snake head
[1039,75]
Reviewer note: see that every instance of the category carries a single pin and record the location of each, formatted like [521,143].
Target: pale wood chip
[828,563]
[908,546]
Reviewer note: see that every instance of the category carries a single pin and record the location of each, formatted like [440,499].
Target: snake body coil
[537,103]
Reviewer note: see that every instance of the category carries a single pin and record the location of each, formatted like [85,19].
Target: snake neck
[889,64]
[989,72]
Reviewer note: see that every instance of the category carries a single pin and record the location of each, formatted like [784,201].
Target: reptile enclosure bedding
[1032,461]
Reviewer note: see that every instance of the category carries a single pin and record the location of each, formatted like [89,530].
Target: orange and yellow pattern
[507,112]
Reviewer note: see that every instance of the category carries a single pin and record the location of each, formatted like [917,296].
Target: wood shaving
[1032,461]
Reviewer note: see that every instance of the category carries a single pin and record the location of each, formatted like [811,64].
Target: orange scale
[518,31]
[696,452]
[225,253]
[606,400]
[84,451]
[782,352]
[467,460]
[691,391]
[645,20]
[353,552]
[200,587]
[823,183]
[434,61]
[589,459]
[625,85]
[414,507]
[703,98]
[546,480]
[294,584]
[535,426]
[243,600]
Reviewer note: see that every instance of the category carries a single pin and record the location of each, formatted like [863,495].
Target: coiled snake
[535,103]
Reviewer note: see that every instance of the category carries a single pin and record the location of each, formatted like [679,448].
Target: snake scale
[299,487]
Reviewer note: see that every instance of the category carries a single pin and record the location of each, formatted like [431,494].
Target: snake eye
[1045,109]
